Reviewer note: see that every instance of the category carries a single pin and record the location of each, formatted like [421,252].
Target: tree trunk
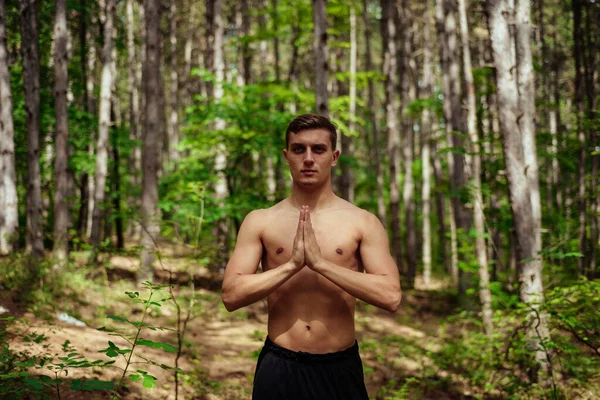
[173,104]
[320,55]
[391,108]
[61,207]
[275,19]
[530,263]
[590,70]
[445,21]
[381,213]
[347,180]
[578,39]
[134,117]
[9,221]
[527,120]
[152,140]
[408,88]
[31,84]
[116,191]
[425,150]
[83,192]
[485,295]
[221,188]
[91,107]
[104,123]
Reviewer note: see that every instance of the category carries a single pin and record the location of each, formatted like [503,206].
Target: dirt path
[220,348]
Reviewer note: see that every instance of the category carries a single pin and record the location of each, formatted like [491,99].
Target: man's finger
[300,230]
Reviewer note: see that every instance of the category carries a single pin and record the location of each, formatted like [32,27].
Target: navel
[339,251]
[279,250]
[307,327]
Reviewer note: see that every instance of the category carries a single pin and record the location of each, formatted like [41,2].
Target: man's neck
[316,199]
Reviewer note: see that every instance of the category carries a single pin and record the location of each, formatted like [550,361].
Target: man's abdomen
[313,321]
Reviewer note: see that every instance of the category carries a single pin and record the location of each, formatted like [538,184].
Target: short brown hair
[311,121]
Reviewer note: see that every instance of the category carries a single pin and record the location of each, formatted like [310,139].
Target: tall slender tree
[9,221]
[509,109]
[485,295]
[152,139]
[104,123]
[426,148]
[61,192]
[446,29]
[390,65]
[31,84]
[320,54]
[381,212]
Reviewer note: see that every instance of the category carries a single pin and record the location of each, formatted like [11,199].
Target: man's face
[310,157]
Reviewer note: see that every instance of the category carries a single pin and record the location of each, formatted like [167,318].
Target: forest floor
[220,349]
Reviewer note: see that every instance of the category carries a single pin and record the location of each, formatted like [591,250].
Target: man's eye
[298,149]
[319,150]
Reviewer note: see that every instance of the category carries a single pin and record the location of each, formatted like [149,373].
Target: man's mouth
[308,171]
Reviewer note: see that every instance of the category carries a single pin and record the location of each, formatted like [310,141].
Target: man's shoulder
[261,216]
[348,209]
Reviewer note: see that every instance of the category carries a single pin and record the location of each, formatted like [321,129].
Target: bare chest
[338,240]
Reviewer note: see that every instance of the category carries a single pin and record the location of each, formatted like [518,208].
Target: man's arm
[241,284]
[380,286]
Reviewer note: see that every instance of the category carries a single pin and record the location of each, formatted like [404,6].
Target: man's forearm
[241,290]
[378,290]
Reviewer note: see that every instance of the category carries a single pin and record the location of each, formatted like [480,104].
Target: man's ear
[285,154]
[336,156]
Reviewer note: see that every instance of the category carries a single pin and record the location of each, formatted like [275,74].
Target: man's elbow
[229,301]
[394,300]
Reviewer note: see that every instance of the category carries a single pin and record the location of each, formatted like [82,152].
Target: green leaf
[157,345]
[149,381]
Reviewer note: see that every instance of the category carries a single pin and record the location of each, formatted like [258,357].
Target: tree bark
[485,295]
[445,22]
[425,150]
[173,104]
[530,263]
[381,212]
[61,209]
[578,40]
[134,118]
[91,106]
[390,64]
[31,84]
[9,221]
[408,89]
[104,124]
[320,55]
[525,86]
[152,140]
[221,188]
[347,180]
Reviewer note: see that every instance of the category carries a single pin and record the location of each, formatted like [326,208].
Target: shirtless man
[319,253]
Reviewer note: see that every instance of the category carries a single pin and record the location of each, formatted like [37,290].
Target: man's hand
[298,257]
[312,251]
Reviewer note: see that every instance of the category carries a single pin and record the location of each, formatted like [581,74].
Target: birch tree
[104,123]
[381,212]
[485,295]
[61,193]
[509,109]
[390,65]
[9,221]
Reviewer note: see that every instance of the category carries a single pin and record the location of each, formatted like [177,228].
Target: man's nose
[308,157]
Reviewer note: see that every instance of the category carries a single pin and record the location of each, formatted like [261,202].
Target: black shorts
[283,374]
